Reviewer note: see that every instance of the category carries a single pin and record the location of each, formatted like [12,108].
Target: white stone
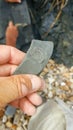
[63,83]
[4,119]
[50,94]
[19,128]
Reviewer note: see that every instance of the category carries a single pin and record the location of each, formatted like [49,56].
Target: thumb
[18,86]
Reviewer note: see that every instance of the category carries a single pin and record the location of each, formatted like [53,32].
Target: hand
[18,90]
[11,34]
[14,1]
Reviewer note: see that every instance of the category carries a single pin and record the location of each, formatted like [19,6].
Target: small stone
[9,124]
[51,61]
[48,66]
[2,127]
[50,94]
[70,98]
[45,70]
[4,119]
[19,128]
[71,69]
[42,74]
[72,107]
[56,84]
[25,125]
[17,118]
[54,92]
[63,83]
[10,111]
[65,88]
[63,96]
[68,83]
[50,87]
[22,118]
[51,80]
[14,127]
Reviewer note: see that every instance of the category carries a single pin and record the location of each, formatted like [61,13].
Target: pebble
[19,128]
[51,80]
[16,119]
[63,83]
[70,98]
[65,88]
[13,127]
[4,119]
[2,127]
[50,94]
[8,124]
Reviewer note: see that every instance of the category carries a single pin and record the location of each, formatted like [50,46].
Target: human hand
[18,90]
[11,34]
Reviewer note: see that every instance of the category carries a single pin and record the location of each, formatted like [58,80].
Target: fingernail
[39,101]
[31,112]
[24,90]
[37,83]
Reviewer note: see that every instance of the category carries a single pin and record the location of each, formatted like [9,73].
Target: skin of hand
[11,34]
[17,90]
[13,1]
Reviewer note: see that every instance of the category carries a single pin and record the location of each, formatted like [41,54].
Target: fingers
[35,99]
[7,69]
[28,104]
[10,55]
[27,107]
[18,86]
[19,1]
[27,84]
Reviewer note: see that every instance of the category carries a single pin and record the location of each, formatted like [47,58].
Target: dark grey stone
[36,58]
[20,13]
[10,111]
